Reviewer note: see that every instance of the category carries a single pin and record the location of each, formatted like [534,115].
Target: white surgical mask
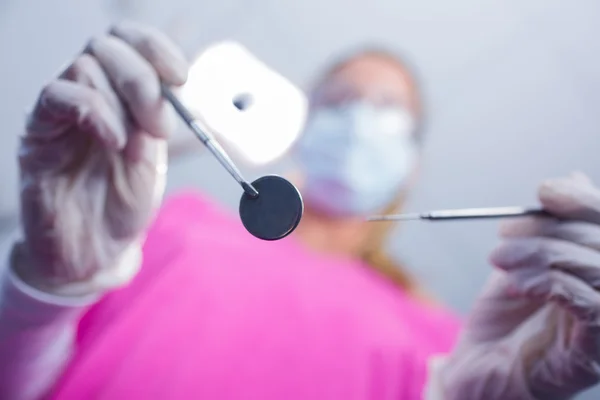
[356,158]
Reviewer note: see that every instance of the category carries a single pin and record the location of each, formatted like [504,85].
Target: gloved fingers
[498,310]
[161,163]
[575,197]
[82,70]
[540,255]
[86,70]
[574,296]
[164,55]
[143,149]
[574,353]
[145,172]
[568,362]
[583,303]
[582,233]
[65,104]
[581,177]
[136,83]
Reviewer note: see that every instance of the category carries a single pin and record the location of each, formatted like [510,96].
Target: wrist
[22,266]
[485,372]
[29,272]
[434,388]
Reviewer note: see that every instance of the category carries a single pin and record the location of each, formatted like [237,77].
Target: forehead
[370,76]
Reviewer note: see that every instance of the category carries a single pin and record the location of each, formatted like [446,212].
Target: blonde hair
[395,60]
[374,254]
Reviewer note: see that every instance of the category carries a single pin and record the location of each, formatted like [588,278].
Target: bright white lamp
[275,110]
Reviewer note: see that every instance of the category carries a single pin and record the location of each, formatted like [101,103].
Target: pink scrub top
[218,314]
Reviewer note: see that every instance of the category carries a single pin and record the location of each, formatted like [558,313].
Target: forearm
[37,333]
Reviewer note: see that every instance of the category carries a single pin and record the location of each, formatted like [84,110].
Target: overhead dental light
[255,111]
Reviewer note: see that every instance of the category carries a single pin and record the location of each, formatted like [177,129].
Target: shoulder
[193,207]
[191,215]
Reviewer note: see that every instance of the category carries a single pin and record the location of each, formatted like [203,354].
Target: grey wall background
[513,89]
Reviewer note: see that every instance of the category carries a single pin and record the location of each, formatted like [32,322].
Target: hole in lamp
[242,101]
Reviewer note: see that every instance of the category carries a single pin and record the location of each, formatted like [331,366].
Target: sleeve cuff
[29,293]
[433,388]
[35,307]
[30,305]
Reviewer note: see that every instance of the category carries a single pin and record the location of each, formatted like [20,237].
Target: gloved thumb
[574,197]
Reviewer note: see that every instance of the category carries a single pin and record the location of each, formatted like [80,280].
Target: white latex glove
[535,331]
[93,163]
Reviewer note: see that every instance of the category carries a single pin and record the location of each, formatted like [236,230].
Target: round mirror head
[277,210]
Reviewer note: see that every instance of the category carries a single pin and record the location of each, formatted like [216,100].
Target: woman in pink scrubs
[208,311]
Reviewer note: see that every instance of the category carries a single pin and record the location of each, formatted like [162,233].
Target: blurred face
[359,148]
[370,78]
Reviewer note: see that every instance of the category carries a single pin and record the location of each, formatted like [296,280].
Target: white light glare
[277,108]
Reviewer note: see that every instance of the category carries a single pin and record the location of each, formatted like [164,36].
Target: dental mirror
[250,98]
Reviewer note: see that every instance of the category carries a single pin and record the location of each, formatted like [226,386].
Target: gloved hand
[535,331]
[93,163]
